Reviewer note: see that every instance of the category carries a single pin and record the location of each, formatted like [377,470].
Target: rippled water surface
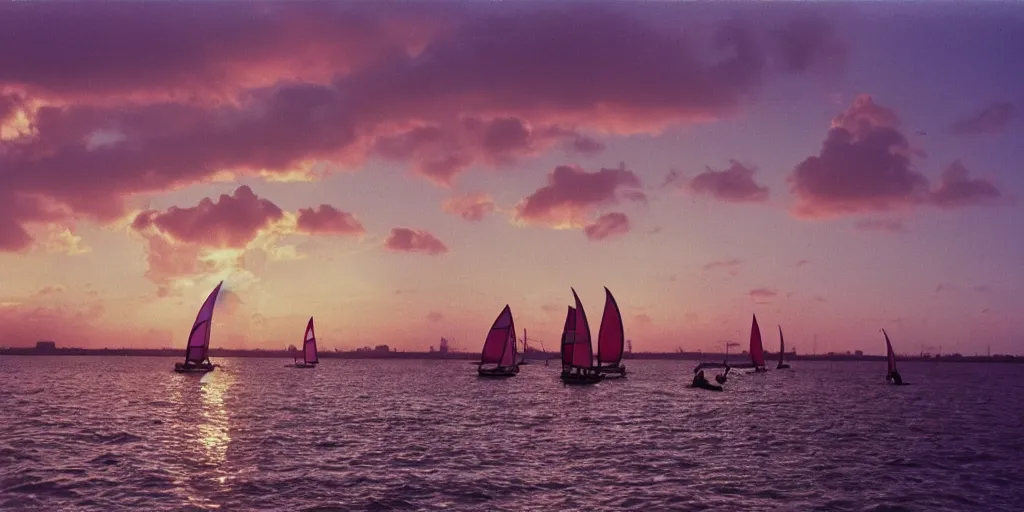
[96,433]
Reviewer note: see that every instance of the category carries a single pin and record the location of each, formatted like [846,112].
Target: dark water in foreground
[92,433]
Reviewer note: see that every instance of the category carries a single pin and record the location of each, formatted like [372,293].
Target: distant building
[382,348]
[858,353]
[431,349]
[46,346]
[444,346]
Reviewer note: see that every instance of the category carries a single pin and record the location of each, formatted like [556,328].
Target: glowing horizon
[402,174]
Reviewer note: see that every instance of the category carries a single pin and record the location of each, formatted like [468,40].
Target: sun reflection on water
[213,430]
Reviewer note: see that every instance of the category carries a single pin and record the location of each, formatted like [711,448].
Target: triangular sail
[756,349]
[782,346]
[568,336]
[582,352]
[890,356]
[496,343]
[198,348]
[611,338]
[508,356]
[309,344]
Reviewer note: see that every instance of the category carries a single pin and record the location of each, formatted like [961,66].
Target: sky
[400,172]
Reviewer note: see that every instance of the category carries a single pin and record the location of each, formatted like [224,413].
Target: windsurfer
[722,377]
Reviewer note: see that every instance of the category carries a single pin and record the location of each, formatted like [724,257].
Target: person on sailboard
[894,377]
[722,377]
[700,380]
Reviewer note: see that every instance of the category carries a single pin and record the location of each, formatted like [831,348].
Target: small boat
[782,352]
[577,354]
[756,350]
[309,356]
[197,351]
[611,339]
[892,375]
[498,358]
[522,358]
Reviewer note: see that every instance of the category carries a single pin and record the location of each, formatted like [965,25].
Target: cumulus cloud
[734,184]
[957,189]
[572,194]
[866,165]
[995,118]
[326,219]
[414,240]
[227,234]
[472,207]
[607,225]
[273,90]
[230,222]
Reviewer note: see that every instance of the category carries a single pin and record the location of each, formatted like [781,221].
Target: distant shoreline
[531,355]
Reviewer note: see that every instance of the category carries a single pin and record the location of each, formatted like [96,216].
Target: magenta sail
[611,338]
[890,356]
[198,347]
[497,342]
[508,356]
[568,336]
[756,349]
[309,344]
[582,353]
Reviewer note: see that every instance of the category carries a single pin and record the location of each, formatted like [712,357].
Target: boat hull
[194,368]
[612,371]
[782,367]
[303,365]
[499,372]
[581,379]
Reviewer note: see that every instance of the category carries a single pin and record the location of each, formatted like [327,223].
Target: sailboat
[756,349]
[309,357]
[197,351]
[498,358]
[892,375]
[611,339]
[577,354]
[526,348]
[782,352]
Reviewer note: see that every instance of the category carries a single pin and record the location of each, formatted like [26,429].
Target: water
[95,433]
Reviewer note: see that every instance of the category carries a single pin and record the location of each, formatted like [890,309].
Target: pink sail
[309,344]
[756,349]
[198,347]
[508,356]
[611,338]
[496,343]
[568,336]
[582,353]
[890,356]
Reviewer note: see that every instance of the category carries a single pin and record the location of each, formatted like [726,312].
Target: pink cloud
[327,219]
[608,225]
[435,317]
[734,184]
[573,193]
[161,101]
[801,263]
[472,207]
[232,221]
[586,145]
[891,225]
[410,240]
[763,293]
[642,320]
[957,189]
[995,118]
[865,165]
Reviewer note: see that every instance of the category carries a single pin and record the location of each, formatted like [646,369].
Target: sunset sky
[402,172]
